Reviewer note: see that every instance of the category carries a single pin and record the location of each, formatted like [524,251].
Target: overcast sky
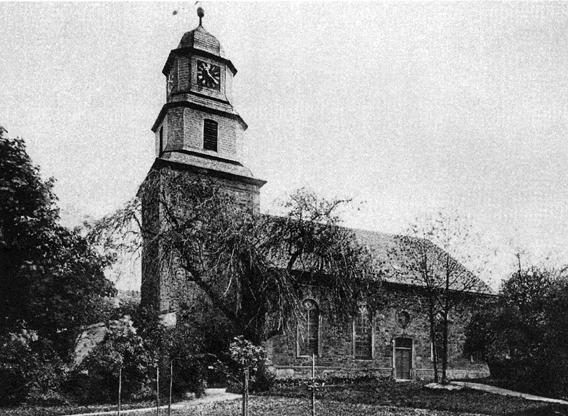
[405,107]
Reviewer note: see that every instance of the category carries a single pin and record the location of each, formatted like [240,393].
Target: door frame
[394,349]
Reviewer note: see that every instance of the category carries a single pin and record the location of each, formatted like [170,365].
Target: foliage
[29,370]
[246,355]
[251,269]
[524,337]
[96,379]
[178,348]
[52,281]
[432,255]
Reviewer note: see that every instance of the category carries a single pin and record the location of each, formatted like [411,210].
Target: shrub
[247,355]
[524,338]
[96,379]
[30,370]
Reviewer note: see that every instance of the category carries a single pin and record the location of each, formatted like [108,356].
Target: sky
[405,107]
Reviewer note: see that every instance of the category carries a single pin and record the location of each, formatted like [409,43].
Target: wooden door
[403,360]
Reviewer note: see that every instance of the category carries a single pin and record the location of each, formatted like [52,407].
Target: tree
[251,268]
[523,338]
[122,354]
[52,281]
[424,255]
[249,358]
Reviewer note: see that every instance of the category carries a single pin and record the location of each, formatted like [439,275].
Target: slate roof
[384,247]
[199,38]
[381,244]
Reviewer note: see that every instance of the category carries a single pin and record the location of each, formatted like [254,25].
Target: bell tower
[199,134]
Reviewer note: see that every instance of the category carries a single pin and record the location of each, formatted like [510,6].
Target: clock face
[208,75]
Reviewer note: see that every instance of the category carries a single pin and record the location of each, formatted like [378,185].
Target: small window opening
[210,135]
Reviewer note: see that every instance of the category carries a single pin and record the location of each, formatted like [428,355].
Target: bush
[245,354]
[96,379]
[523,338]
[30,370]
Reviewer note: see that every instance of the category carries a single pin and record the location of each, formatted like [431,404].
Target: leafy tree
[423,254]
[252,269]
[249,358]
[96,379]
[523,338]
[29,370]
[176,350]
[52,281]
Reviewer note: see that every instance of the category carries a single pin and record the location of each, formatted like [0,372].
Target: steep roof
[386,251]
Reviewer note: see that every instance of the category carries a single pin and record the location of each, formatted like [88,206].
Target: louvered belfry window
[210,135]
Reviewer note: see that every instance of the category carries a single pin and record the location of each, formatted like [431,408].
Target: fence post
[171,386]
[245,391]
[119,387]
[157,390]
[313,385]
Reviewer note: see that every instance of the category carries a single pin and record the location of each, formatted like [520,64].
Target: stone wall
[164,284]
[336,350]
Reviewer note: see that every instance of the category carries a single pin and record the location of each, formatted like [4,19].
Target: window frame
[299,352]
[370,321]
[210,122]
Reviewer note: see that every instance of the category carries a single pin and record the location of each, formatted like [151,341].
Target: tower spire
[200,11]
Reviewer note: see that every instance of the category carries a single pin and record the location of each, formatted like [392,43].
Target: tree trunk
[445,350]
[432,318]
[445,328]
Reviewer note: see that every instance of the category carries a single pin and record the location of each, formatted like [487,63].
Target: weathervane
[200,11]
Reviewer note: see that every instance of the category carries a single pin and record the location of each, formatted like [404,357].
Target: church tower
[197,133]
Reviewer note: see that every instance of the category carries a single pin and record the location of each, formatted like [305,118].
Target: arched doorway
[402,358]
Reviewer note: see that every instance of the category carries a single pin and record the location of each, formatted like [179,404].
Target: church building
[199,133]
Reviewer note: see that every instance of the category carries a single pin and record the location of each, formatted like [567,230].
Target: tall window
[363,335]
[210,135]
[308,335]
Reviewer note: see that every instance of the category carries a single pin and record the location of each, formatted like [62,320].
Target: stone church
[198,132]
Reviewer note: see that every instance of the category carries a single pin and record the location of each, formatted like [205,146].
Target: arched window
[363,335]
[210,135]
[308,333]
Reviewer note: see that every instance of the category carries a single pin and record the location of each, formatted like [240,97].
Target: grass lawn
[371,398]
[416,396]
[66,410]
[271,406]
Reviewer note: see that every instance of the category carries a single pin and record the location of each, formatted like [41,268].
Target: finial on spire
[200,11]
